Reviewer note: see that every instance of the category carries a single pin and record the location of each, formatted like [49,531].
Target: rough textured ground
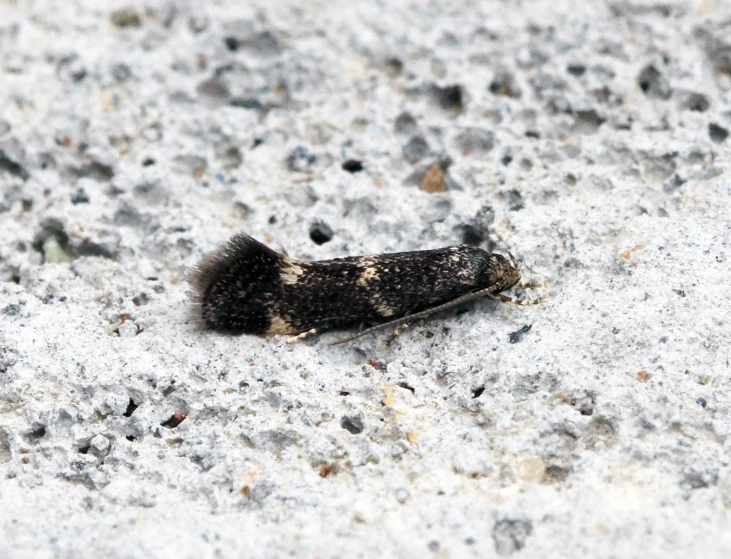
[588,138]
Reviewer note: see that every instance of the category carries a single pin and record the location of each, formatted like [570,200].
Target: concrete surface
[590,139]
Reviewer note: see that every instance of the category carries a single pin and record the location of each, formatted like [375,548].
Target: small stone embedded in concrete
[530,469]
[53,251]
[126,18]
[99,446]
[11,310]
[717,133]
[415,149]
[475,141]
[80,197]
[450,98]
[433,179]
[511,535]
[300,159]
[352,424]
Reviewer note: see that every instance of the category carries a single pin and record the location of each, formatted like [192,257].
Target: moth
[245,287]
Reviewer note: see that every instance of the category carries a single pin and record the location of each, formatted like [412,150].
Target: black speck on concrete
[321,233]
[352,166]
[517,336]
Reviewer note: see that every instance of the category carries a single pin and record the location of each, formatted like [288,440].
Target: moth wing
[242,256]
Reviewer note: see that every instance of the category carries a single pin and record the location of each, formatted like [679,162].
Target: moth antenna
[423,314]
[512,301]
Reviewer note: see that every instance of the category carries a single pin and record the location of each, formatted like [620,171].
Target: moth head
[503,272]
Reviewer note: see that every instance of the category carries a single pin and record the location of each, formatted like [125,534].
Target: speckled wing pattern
[247,288]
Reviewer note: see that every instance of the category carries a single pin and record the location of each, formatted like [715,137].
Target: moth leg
[511,301]
[302,336]
[533,285]
[394,335]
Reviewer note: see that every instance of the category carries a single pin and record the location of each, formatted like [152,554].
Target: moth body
[245,287]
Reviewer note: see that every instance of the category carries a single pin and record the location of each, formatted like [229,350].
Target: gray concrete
[587,138]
